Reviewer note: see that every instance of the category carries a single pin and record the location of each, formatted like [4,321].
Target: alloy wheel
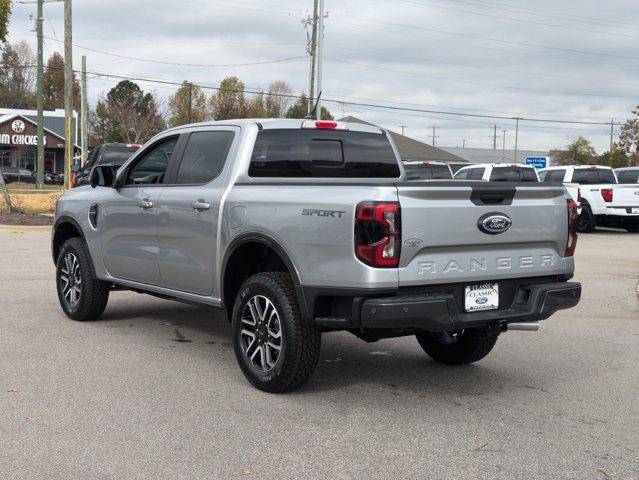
[71,279]
[261,333]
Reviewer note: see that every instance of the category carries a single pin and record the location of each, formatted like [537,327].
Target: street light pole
[84,112]
[516,136]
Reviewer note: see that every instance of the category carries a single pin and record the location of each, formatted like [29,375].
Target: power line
[504,18]
[474,82]
[179,64]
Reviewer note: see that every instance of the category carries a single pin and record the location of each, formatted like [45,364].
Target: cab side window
[462,174]
[152,167]
[204,157]
[477,174]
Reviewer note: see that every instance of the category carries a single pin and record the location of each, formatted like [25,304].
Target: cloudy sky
[541,59]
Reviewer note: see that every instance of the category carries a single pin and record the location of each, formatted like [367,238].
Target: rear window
[513,174]
[553,176]
[416,171]
[116,154]
[628,176]
[322,154]
[593,176]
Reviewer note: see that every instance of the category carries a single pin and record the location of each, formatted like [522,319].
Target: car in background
[54,178]
[456,166]
[628,175]
[426,170]
[498,172]
[16,174]
[107,154]
[604,202]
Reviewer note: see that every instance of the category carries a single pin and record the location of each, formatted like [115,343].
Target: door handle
[200,206]
[145,204]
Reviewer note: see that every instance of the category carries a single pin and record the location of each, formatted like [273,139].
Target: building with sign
[19,139]
[489,155]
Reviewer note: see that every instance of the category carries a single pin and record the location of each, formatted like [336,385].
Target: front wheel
[81,295]
[461,347]
[276,351]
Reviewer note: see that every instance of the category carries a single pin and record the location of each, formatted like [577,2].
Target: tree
[229,101]
[278,99]
[256,108]
[5,13]
[17,76]
[615,159]
[53,89]
[579,152]
[127,115]
[179,105]
[300,109]
[629,138]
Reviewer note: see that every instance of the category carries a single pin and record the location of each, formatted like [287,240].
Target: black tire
[457,348]
[632,227]
[93,295]
[586,223]
[299,343]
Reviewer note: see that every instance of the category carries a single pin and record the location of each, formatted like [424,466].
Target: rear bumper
[440,313]
[624,212]
[435,311]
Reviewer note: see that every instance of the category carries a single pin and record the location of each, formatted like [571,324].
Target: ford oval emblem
[494,223]
[481,300]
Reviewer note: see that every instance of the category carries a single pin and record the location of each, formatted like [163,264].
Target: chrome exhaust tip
[524,326]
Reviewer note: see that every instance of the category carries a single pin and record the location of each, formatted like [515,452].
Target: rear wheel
[276,351]
[632,227]
[586,223]
[457,348]
[81,295]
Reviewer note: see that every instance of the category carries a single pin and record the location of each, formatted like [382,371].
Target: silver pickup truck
[299,227]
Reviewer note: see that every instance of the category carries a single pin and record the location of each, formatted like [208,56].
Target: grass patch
[34,203]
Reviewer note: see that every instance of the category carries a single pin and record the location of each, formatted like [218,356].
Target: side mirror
[102,176]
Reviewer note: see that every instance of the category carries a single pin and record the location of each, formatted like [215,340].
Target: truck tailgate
[625,196]
[442,240]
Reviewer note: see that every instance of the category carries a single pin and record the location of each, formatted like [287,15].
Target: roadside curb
[25,228]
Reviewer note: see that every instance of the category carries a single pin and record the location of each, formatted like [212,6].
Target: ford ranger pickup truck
[300,227]
[604,202]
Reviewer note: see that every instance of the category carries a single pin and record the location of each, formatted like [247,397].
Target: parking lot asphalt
[120,398]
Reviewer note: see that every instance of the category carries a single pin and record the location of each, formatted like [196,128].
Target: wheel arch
[65,227]
[264,253]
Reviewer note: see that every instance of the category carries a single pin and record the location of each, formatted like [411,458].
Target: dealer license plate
[635,210]
[481,297]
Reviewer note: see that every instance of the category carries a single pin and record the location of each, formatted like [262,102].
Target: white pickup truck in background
[604,201]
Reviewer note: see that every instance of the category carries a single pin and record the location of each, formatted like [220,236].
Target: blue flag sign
[537,162]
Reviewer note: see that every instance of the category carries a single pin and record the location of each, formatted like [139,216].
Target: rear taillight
[606,193]
[378,237]
[573,215]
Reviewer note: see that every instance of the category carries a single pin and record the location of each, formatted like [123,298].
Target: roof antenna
[313,114]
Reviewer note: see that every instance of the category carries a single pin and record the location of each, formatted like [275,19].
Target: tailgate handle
[491,195]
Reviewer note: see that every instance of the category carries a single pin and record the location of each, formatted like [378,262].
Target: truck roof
[284,123]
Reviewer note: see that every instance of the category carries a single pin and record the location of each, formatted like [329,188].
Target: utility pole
[313,56]
[68,93]
[612,132]
[403,127]
[320,54]
[190,102]
[40,97]
[464,143]
[503,145]
[495,138]
[84,112]
[516,136]
[434,127]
